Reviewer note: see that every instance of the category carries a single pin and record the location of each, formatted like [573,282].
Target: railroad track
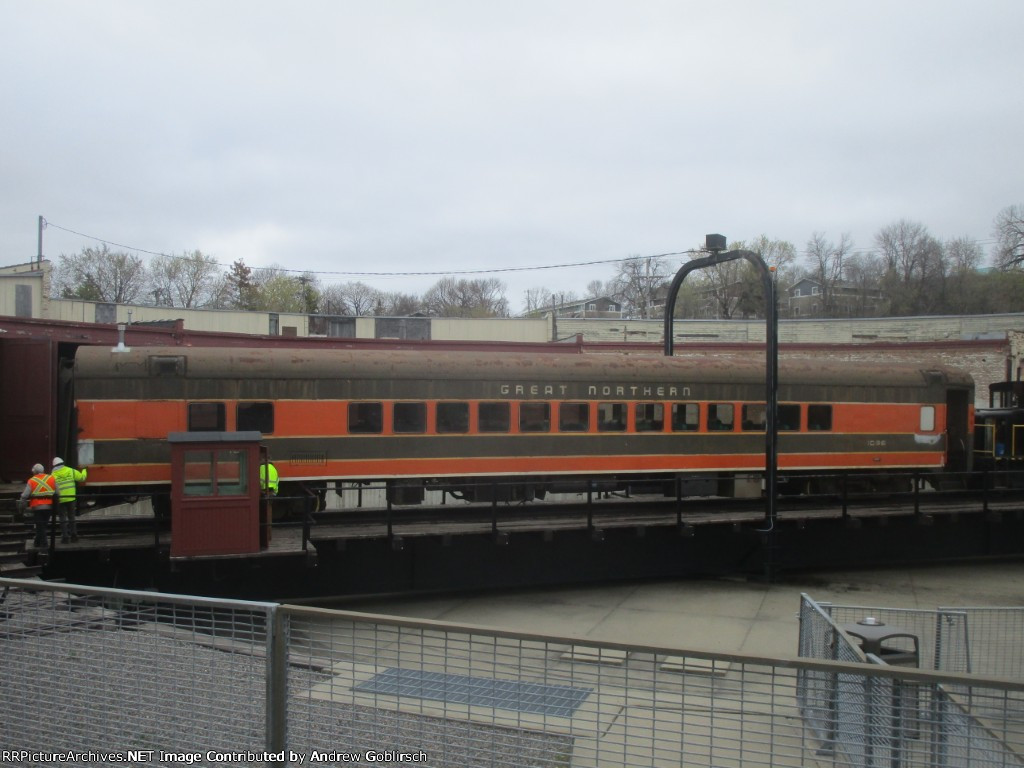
[601,513]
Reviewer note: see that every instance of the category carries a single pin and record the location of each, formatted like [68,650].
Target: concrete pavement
[726,615]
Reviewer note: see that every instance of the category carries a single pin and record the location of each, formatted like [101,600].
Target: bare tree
[864,273]
[1009,232]
[396,304]
[537,299]
[361,299]
[190,280]
[966,293]
[637,283]
[914,267]
[466,298]
[719,288]
[828,263]
[780,257]
[99,274]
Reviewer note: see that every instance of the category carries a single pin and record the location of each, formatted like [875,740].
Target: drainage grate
[535,698]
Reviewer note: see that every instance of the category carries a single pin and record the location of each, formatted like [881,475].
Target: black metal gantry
[716,244]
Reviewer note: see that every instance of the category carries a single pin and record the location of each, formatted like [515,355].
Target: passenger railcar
[465,421]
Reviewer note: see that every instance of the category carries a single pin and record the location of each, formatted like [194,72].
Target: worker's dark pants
[43,513]
[66,510]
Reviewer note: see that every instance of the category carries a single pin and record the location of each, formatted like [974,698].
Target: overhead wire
[435,273]
[424,273]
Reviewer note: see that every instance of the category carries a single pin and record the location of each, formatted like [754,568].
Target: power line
[436,273]
[348,273]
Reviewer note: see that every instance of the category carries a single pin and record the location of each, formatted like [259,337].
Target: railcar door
[958,431]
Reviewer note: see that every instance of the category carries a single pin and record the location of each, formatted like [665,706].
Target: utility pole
[42,223]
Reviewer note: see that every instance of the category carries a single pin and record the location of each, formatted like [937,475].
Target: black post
[716,243]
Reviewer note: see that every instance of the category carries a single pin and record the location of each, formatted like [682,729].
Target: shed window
[216,472]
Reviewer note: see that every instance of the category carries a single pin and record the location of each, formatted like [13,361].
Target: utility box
[215,493]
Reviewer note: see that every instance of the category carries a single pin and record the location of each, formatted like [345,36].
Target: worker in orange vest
[42,496]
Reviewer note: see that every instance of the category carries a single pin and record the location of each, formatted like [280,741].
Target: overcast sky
[450,136]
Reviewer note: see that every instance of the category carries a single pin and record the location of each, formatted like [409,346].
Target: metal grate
[534,698]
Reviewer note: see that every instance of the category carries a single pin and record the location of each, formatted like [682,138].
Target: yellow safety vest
[271,481]
[66,478]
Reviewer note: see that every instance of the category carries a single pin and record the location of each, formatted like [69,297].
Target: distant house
[597,306]
[806,299]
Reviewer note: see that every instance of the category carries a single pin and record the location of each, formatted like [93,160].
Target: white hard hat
[37,469]
[57,461]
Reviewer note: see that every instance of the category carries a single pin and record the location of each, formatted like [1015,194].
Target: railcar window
[650,417]
[410,418]
[258,417]
[206,417]
[534,417]
[789,418]
[685,417]
[611,417]
[365,418]
[819,418]
[927,418]
[574,417]
[495,417]
[452,417]
[754,417]
[721,417]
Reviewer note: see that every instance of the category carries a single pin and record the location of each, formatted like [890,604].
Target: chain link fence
[953,716]
[112,676]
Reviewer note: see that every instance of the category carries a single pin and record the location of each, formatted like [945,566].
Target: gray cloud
[406,137]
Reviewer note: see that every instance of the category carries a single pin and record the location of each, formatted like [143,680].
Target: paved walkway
[722,615]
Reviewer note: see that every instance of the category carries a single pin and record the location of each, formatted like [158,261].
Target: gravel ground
[86,684]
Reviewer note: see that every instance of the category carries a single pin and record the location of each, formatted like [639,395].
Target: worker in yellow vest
[67,478]
[268,479]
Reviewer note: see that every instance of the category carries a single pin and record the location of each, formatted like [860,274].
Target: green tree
[277,291]
[241,291]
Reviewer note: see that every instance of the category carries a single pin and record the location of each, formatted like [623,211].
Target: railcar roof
[253,363]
